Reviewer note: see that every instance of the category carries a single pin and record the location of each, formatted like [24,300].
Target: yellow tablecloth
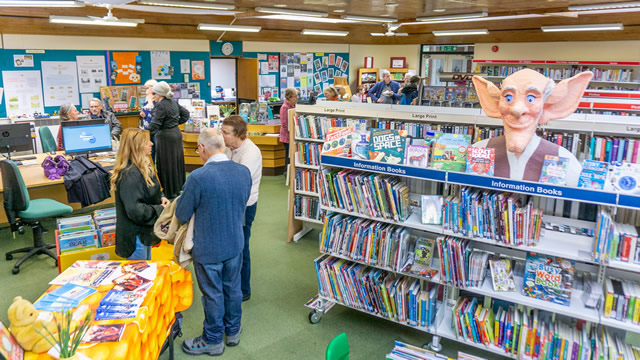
[171,292]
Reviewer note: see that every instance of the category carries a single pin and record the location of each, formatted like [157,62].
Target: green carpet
[275,320]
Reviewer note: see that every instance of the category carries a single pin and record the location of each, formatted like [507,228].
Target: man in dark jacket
[385,91]
[410,91]
[216,194]
[98,112]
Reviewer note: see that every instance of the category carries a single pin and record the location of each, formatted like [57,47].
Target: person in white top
[243,151]
[525,100]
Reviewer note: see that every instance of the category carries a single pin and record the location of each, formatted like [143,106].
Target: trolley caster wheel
[14,271]
[56,262]
[315,317]
[9,257]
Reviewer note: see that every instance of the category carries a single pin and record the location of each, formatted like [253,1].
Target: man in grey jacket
[98,112]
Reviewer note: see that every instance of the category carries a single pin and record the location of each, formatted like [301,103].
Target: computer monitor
[15,137]
[85,136]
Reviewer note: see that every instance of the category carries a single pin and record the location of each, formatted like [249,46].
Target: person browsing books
[216,195]
[139,200]
[358,97]
[245,152]
[331,94]
[147,112]
[290,101]
[410,91]
[68,112]
[385,91]
[98,112]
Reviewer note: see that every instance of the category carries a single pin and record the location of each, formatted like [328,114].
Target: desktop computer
[15,137]
[85,137]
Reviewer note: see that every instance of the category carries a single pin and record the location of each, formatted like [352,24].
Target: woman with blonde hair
[139,199]
[331,94]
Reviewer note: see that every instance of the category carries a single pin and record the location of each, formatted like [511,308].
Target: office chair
[338,348]
[47,140]
[22,211]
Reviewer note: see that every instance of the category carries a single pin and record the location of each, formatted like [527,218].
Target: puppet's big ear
[565,97]
[489,96]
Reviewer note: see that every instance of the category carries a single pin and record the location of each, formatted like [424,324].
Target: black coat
[167,114]
[87,182]
[137,209]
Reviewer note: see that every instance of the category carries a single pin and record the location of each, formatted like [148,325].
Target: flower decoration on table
[69,333]
[227,110]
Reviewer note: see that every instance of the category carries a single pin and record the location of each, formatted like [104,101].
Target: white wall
[223,73]
[59,42]
[256,46]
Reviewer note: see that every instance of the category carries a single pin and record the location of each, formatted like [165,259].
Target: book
[9,347]
[337,142]
[387,146]
[417,155]
[123,298]
[431,206]
[480,161]
[360,144]
[129,282]
[624,178]
[104,333]
[593,175]
[423,256]
[450,151]
[72,292]
[82,276]
[554,170]
[549,278]
[502,275]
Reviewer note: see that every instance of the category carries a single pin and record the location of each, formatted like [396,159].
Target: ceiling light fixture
[324,32]
[369,18]
[377,34]
[594,27]
[90,20]
[280,5]
[460,32]
[619,5]
[339,10]
[307,19]
[191,5]
[290,12]
[453,17]
[43,3]
[490,18]
[221,27]
[439,10]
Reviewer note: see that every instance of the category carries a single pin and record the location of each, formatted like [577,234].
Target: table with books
[132,303]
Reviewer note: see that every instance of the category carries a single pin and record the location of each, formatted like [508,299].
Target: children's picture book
[104,333]
[502,275]
[9,347]
[548,278]
[450,151]
[337,141]
[624,178]
[129,282]
[81,276]
[554,170]
[417,155]
[431,206]
[123,298]
[593,175]
[423,256]
[387,146]
[360,144]
[142,268]
[480,161]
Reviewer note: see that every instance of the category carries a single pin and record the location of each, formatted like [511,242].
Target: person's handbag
[55,168]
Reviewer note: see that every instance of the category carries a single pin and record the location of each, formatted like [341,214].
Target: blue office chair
[47,139]
[22,211]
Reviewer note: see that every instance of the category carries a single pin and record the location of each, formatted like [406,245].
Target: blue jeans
[249,216]
[142,251]
[221,298]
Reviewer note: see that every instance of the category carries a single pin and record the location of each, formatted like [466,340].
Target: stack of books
[305,206]
[68,296]
[317,127]
[77,233]
[306,180]
[402,351]
[308,153]
[622,300]
[105,220]
[615,241]
[460,265]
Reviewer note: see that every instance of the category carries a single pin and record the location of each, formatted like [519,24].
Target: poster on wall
[161,65]
[185,66]
[92,73]
[197,70]
[60,83]
[23,60]
[273,63]
[126,68]
[23,92]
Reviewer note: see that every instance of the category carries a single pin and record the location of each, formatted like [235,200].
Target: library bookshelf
[575,247]
[367,77]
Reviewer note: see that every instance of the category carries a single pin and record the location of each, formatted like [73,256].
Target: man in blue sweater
[217,195]
[385,91]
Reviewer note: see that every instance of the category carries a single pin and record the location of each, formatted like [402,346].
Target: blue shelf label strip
[384,168]
[629,201]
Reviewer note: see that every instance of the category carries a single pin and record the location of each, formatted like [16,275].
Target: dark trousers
[286,154]
[249,216]
[221,298]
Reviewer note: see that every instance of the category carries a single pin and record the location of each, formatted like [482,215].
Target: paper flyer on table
[92,73]
[160,64]
[60,83]
[23,92]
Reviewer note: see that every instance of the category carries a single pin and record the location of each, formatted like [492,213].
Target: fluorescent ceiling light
[290,12]
[489,18]
[307,19]
[220,27]
[81,20]
[191,5]
[369,18]
[43,3]
[594,27]
[461,32]
[377,34]
[483,14]
[605,6]
[324,32]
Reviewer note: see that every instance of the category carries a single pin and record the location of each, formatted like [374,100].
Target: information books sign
[629,201]
[384,168]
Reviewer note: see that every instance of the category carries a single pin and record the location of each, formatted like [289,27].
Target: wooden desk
[39,186]
[272,149]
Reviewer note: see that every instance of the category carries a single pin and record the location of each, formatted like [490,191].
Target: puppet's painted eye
[531,99]
[509,98]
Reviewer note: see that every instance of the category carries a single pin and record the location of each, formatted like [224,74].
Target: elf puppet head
[528,99]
